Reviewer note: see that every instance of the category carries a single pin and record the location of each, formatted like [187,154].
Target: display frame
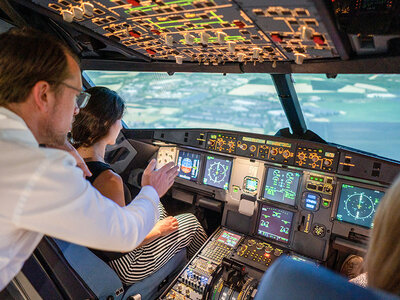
[201,164]
[343,228]
[264,183]
[203,173]
[271,240]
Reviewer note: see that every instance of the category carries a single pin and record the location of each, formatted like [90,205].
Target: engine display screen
[275,223]
[189,165]
[358,205]
[217,172]
[228,238]
[281,186]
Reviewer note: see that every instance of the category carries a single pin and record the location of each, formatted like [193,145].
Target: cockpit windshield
[355,110]
[241,102]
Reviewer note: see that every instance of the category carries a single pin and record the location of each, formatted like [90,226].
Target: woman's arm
[110,185]
[162,228]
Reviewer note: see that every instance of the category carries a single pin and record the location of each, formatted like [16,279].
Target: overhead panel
[205,31]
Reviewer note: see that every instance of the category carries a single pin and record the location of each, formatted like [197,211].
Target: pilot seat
[104,282]
[298,280]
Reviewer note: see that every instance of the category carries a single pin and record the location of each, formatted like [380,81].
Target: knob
[259,246]
[253,148]
[251,242]
[204,36]
[221,37]
[302,156]
[241,57]
[256,52]
[179,59]
[88,9]
[327,162]
[286,154]
[299,58]
[189,39]
[169,40]
[231,47]
[306,33]
[78,12]
[67,16]
[274,151]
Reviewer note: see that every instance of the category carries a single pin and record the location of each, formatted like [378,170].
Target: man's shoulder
[16,155]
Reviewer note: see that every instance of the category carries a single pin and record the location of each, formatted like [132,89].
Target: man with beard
[42,190]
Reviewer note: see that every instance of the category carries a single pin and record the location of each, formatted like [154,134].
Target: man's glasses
[82,99]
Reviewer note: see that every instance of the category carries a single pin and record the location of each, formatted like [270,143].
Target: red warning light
[267,255]
[134,2]
[151,52]
[155,31]
[134,33]
[276,37]
[239,24]
[318,39]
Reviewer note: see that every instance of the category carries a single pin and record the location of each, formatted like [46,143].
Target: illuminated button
[259,246]
[239,24]
[278,252]
[326,203]
[251,242]
[276,37]
[319,40]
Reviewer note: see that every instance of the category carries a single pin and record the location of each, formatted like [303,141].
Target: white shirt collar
[14,128]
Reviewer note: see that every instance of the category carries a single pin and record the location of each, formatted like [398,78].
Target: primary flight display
[189,165]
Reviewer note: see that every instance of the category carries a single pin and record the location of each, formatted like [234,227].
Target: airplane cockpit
[281,115]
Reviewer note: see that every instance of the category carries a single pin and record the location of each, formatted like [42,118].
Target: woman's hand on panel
[166,226]
[161,180]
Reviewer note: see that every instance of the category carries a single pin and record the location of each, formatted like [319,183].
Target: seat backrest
[290,279]
[98,276]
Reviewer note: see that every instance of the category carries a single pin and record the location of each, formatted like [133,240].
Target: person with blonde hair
[383,256]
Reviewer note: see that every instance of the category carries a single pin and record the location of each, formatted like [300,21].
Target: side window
[4,26]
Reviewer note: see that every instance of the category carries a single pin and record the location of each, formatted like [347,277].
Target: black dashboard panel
[291,152]
[316,184]
[278,195]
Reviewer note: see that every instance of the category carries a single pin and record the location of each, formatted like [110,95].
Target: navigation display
[228,238]
[189,165]
[358,205]
[281,186]
[275,223]
[217,172]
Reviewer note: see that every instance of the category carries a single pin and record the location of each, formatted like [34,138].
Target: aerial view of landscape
[360,111]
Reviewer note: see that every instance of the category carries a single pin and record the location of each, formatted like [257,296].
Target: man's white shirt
[43,192]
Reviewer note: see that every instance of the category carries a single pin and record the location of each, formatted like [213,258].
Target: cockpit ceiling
[209,32]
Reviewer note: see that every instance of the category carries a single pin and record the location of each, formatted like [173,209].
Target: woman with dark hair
[96,126]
